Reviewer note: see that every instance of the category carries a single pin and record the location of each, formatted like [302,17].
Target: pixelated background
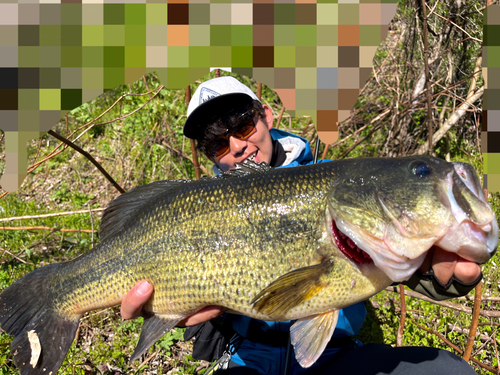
[490,135]
[54,55]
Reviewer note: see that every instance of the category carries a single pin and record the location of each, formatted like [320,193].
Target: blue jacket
[271,360]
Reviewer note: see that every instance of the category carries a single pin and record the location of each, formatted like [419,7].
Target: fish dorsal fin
[246,168]
[292,289]
[153,328]
[309,336]
[120,211]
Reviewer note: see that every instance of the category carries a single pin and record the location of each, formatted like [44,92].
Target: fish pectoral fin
[309,336]
[153,328]
[292,289]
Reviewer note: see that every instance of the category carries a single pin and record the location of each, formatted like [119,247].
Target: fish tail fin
[42,336]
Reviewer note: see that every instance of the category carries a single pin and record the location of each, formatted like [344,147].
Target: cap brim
[196,123]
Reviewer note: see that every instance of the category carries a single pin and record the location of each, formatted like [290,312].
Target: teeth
[351,244]
[252,157]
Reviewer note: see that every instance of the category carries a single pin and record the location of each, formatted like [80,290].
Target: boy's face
[258,147]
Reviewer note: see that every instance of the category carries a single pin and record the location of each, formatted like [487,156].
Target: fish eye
[420,169]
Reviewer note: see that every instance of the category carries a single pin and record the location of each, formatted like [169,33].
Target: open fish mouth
[349,248]
[365,251]
[396,237]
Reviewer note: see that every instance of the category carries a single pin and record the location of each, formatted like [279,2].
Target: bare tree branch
[50,215]
[450,305]
[88,156]
[452,120]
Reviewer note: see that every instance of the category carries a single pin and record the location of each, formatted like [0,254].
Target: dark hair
[219,125]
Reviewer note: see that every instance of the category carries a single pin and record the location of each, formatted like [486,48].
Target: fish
[273,244]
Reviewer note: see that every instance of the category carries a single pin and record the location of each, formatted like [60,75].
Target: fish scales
[289,244]
[273,229]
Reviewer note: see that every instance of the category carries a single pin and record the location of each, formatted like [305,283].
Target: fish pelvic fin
[42,335]
[292,289]
[153,328]
[309,336]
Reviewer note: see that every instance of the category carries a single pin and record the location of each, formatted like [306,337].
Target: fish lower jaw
[401,270]
[470,242]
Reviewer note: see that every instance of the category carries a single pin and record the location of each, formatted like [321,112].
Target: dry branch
[90,125]
[488,299]
[370,133]
[452,120]
[451,305]
[19,259]
[89,157]
[50,215]
[403,316]
[430,122]
[475,76]
[466,331]
[51,228]
[475,320]
[148,359]
[461,29]
[280,116]
[496,353]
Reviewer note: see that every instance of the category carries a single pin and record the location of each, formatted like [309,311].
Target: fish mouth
[349,248]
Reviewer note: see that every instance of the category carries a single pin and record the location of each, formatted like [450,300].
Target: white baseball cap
[214,97]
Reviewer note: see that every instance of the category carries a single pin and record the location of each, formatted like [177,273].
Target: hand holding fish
[137,297]
[446,264]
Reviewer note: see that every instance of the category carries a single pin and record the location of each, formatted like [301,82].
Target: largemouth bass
[286,244]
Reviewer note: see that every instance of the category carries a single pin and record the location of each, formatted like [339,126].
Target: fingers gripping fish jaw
[443,206]
[474,233]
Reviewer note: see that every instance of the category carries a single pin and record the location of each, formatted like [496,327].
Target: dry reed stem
[51,229]
[50,215]
[19,259]
[399,340]
[450,305]
[473,325]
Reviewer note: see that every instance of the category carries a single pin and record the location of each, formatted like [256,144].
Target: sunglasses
[219,147]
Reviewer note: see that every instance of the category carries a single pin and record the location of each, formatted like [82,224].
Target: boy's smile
[258,147]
